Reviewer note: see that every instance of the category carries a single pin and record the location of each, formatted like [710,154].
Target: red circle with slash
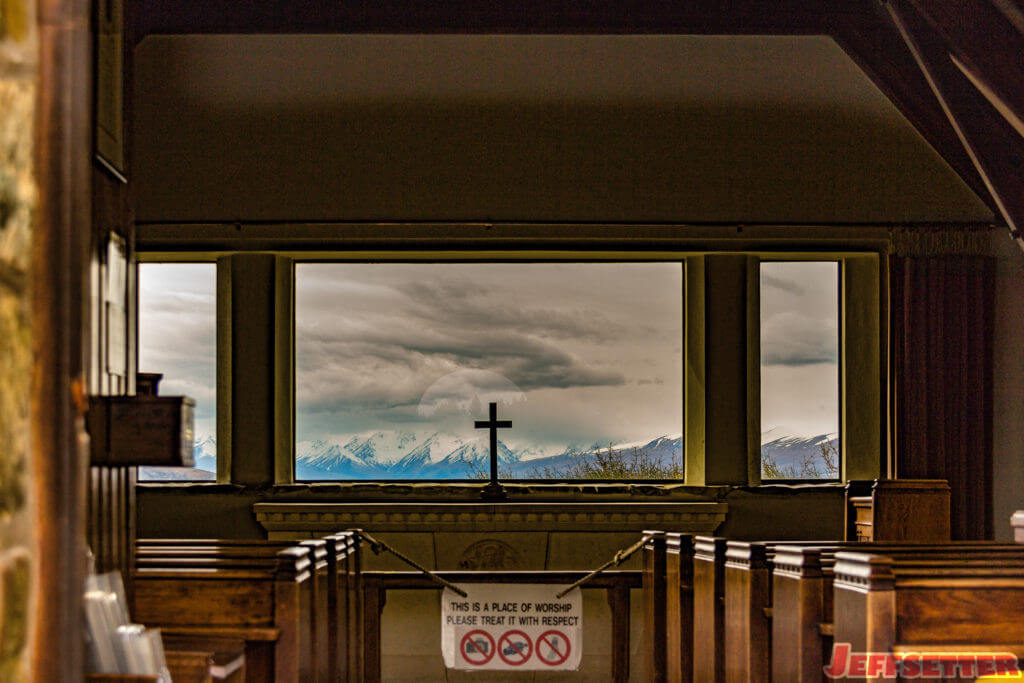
[557,646]
[471,651]
[519,652]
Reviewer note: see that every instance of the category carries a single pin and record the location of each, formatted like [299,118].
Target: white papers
[116,646]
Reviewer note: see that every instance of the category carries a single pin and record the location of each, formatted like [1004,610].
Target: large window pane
[178,338]
[800,370]
[395,362]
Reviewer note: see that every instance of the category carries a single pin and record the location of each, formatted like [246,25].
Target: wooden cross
[494,490]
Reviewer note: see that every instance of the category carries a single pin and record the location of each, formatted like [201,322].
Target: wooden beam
[60,300]
[876,46]
[485,16]
[986,44]
[993,145]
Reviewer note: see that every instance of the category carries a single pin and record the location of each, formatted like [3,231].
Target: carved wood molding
[703,517]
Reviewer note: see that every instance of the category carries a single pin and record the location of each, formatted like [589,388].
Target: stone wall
[18,78]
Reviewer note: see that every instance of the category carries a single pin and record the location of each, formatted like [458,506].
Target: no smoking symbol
[477,647]
[553,648]
[514,647]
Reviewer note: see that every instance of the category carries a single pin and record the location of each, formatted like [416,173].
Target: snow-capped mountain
[322,460]
[380,447]
[435,455]
[662,452]
[797,456]
[472,458]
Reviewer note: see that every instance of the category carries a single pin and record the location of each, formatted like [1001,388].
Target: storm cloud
[372,339]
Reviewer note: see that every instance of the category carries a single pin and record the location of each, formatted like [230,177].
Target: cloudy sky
[799,348]
[575,353]
[178,334]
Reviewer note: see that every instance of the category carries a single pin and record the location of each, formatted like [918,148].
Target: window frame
[223,361]
[865,405]
[285,358]
[841,379]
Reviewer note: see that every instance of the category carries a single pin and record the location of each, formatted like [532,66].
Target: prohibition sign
[514,652]
[473,652]
[556,645]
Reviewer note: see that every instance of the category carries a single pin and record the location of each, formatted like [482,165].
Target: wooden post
[747,596]
[373,607]
[864,611]
[797,612]
[679,606]
[708,609]
[654,606]
[618,601]
[320,578]
[357,608]
[291,662]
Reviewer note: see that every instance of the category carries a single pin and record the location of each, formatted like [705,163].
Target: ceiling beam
[993,145]
[791,17]
[874,43]
[989,49]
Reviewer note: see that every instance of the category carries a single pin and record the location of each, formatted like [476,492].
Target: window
[665,366]
[800,398]
[395,361]
[178,338]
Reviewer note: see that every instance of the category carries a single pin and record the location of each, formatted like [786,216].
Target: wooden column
[59,304]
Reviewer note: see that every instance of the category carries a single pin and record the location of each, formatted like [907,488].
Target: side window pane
[395,362]
[800,370]
[178,338]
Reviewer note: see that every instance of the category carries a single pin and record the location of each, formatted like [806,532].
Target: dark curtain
[942,319]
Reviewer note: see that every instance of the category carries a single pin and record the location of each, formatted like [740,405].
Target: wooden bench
[801,599]
[749,604]
[286,603]
[898,606]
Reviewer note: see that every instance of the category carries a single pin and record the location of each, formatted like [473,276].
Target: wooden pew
[750,606]
[655,607]
[270,607]
[891,605]
[343,606]
[679,607]
[802,597]
[333,607]
[708,609]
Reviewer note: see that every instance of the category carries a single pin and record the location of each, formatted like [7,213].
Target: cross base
[494,491]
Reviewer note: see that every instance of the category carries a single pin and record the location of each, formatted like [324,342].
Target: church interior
[264,265]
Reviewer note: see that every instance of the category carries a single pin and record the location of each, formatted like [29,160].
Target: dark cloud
[792,338]
[783,284]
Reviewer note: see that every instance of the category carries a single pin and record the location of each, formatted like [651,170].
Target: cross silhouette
[494,490]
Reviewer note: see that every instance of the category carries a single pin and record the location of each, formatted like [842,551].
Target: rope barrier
[620,556]
[380,546]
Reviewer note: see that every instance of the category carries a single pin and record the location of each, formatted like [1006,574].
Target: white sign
[512,627]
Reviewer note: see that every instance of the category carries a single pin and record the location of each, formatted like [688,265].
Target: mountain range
[402,455]
[798,457]
[399,454]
